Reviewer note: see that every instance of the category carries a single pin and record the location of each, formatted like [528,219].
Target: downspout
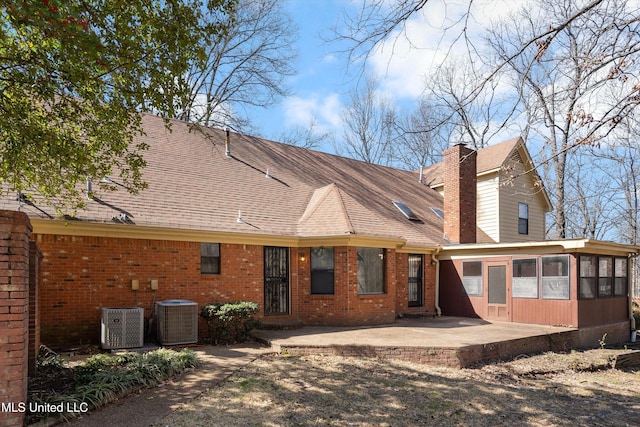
[435,261]
[632,320]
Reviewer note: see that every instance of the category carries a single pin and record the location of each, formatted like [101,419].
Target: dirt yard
[578,388]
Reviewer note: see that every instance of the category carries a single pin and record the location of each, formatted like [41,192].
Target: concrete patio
[448,341]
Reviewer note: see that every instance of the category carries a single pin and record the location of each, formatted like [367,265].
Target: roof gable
[326,214]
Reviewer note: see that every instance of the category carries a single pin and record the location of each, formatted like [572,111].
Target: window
[322,271]
[370,271]
[209,258]
[523,218]
[620,278]
[555,277]
[524,282]
[602,277]
[472,277]
[587,285]
[605,277]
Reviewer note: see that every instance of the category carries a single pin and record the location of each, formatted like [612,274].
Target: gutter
[436,262]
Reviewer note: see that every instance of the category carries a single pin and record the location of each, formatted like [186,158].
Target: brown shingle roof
[193,185]
[488,159]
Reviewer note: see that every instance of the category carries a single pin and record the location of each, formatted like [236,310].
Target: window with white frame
[555,277]
[524,281]
[472,278]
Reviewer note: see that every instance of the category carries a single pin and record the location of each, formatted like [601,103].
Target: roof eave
[543,246]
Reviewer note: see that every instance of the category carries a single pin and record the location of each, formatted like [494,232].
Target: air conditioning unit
[177,322]
[122,327]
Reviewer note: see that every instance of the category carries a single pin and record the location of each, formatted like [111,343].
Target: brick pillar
[460,182]
[15,230]
[34,311]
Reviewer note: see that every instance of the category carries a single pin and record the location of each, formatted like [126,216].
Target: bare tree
[574,64]
[578,84]
[422,138]
[473,116]
[623,171]
[246,66]
[589,206]
[309,136]
[369,120]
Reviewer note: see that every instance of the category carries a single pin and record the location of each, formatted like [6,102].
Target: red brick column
[34,311]
[460,182]
[15,230]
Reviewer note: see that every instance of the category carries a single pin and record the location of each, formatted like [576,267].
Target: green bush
[636,314]
[101,378]
[229,322]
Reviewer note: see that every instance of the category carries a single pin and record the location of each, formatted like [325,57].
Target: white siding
[488,206]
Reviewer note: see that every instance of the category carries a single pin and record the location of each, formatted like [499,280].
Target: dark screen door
[276,280]
[415,280]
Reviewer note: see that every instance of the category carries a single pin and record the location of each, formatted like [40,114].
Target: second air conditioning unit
[121,327]
[177,322]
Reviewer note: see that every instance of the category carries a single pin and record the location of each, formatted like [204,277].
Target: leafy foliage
[74,76]
[102,378]
[229,322]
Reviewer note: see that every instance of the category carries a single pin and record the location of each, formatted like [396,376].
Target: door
[498,293]
[415,280]
[276,280]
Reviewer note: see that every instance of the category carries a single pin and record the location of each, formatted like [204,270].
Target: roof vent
[227,143]
[406,211]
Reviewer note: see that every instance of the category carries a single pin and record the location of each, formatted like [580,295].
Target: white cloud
[330,58]
[429,37]
[325,110]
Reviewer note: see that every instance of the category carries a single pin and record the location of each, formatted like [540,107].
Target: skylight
[438,212]
[406,211]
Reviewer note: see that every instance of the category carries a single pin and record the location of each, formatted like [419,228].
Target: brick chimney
[460,194]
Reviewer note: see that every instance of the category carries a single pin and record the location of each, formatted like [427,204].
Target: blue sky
[321,78]
[323,81]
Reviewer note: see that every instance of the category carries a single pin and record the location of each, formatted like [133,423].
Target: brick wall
[14,313]
[460,194]
[346,306]
[80,275]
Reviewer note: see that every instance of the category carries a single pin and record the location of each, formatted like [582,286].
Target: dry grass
[545,390]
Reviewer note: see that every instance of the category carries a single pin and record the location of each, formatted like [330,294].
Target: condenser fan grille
[177,322]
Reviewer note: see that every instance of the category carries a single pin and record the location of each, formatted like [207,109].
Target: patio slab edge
[463,356]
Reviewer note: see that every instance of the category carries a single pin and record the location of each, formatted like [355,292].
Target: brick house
[313,238]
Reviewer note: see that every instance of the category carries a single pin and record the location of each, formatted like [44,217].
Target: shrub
[636,314]
[229,322]
[101,378]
